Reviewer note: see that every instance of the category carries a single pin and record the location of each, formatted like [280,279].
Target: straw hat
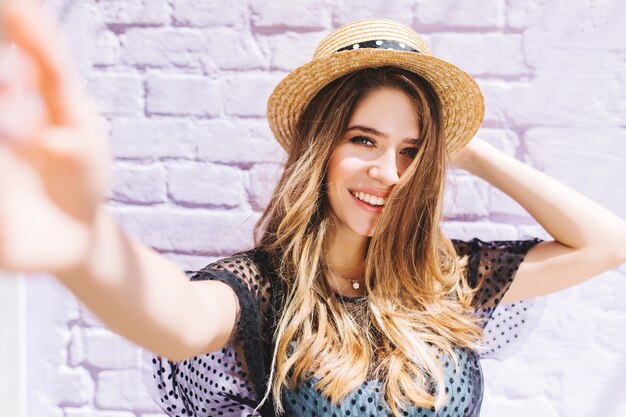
[374,43]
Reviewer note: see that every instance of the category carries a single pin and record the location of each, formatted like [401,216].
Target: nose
[385,168]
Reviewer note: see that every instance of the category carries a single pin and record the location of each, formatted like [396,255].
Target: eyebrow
[372,131]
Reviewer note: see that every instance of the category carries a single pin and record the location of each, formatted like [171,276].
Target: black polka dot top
[231,382]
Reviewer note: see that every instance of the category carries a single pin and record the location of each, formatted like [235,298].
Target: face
[377,147]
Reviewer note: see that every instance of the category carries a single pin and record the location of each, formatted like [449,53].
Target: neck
[346,258]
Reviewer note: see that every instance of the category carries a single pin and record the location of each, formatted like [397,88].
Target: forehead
[388,110]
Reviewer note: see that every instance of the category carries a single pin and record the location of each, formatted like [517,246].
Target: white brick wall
[183,85]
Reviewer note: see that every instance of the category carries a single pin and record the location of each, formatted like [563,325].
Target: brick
[548,48]
[79,23]
[248,93]
[494,201]
[483,230]
[49,306]
[232,49]
[122,389]
[152,139]
[263,180]
[114,414]
[290,50]
[498,98]
[137,12]
[206,184]
[523,14]
[237,141]
[464,197]
[139,184]
[183,95]
[485,54]
[460,14]
[117,94]
[76,348]
[572,70]
[90,412]
[533,406]
[518,104]
[108,47]
[348,11]
[107,350]
[163,47]
[77,412]
[201,13]
[42,408]
[505,140]
[581,29]
[303,14]
[198,232]
[498,202]
[51,299]
[571,155]
[70,386]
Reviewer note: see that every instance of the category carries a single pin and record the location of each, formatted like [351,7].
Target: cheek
[340,172]
[343,166]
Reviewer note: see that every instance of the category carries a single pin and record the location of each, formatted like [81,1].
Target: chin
[362,229]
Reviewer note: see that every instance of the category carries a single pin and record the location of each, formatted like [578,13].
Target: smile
[376,207]
[369,199]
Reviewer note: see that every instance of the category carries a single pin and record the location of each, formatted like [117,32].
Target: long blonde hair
[419,301]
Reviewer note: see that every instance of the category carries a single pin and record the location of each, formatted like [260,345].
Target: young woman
[352,302]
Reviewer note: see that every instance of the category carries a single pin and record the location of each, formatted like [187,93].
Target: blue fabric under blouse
[231,382]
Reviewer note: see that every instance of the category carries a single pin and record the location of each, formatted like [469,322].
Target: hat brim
[461,99]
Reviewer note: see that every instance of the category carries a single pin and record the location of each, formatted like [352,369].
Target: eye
[362,140]
[410,152]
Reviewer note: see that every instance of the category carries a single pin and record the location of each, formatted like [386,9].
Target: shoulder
[245,264]
[475,245]
[247,272]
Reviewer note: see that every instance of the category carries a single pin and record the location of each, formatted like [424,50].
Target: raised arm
[54,175]
[588,239]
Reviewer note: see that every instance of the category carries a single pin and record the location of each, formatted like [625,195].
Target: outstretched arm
[588,239]
[54,176]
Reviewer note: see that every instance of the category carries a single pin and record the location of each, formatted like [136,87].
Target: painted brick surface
[183,85]
[183,95]
[215,185]
[139,184]
[152,139]
[163,47]
[200,13]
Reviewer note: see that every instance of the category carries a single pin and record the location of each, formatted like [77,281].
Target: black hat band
[379,44]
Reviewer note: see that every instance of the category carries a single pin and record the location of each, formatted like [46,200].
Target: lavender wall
[183,85]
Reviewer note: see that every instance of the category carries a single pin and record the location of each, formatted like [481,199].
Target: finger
[22,110]
[27,25]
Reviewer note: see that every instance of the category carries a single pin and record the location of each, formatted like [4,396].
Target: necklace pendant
[356,285]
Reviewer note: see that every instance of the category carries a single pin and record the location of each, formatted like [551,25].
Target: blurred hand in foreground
[54,158]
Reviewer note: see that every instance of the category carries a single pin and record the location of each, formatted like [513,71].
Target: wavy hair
[419,300]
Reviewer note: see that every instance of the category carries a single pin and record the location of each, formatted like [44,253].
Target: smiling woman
[349,297]
[371,165]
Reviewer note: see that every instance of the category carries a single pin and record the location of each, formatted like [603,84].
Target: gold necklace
[355,283]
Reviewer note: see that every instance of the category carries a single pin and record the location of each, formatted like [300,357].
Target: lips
[366,206]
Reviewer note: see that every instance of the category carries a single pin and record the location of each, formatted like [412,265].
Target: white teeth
[368,198]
